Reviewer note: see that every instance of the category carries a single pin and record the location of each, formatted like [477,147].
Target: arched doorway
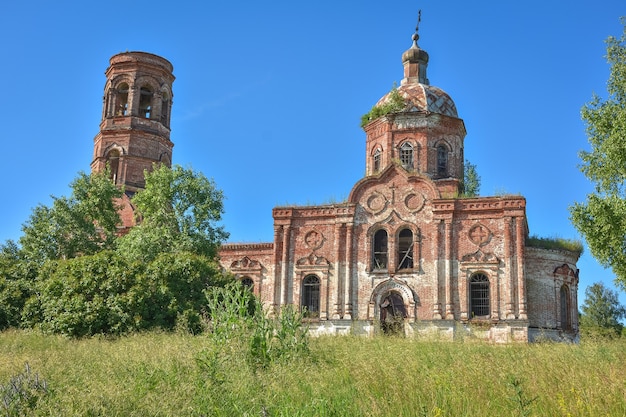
[392,313]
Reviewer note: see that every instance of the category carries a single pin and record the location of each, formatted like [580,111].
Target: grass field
[168,374]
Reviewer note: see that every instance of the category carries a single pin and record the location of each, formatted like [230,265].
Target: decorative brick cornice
[246,246]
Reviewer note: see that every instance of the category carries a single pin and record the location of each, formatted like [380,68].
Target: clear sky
[268,95]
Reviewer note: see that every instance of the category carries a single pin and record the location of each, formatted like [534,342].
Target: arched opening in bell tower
[121,105]
[113,162]
[145,102]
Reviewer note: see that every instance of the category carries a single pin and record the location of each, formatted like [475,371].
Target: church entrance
[392,313]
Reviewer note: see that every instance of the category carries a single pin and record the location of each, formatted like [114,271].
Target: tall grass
[167,374]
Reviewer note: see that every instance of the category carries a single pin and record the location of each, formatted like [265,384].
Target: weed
[22,392]
[522,403]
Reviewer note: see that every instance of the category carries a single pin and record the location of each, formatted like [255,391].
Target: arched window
[406,155]
[113,161]
[247,282]
[377,160]
[566,317]
[121,101]
[442,161]
[145,102]
[165,108]
[379,259]
[405,249]
[479,295]
[311,296]
[392,313]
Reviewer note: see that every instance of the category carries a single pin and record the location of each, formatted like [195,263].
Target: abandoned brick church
[404,253]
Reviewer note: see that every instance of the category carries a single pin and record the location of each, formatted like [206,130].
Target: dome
[424,98]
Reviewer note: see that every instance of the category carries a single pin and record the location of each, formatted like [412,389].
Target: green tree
[471,180]
[178,211]
[82,224]
[14,285]
[601,219]
[602,311]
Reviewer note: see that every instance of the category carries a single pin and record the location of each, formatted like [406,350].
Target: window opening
[113,161]
[311,296]
[377,157]
[479,295]
[566,323]
[405,249]
[247,282]
[122,100]
[145,102]
[164,108]
[406,155]
[392,314]
[379,260]
[442,161]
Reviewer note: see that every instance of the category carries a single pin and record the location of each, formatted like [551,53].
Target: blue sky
[268,95]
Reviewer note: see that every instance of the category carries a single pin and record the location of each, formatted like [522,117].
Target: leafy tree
[82,224]
[178,210]
[107,293]
[471,180]
[73,274]
[602,311]
[14,287]
[602,218]
[84,296]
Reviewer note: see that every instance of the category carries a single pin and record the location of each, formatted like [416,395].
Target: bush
[108,294]
[21,393]
[84,296]
[172,288]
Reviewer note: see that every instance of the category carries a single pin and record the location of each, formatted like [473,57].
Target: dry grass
[164,374]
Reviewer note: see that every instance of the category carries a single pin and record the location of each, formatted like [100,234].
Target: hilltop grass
[167,374]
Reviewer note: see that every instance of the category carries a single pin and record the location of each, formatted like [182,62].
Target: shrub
[109,294]
[84,296]
[21,393]
[393,104]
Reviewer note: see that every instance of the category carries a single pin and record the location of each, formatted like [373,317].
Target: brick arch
[409,297]
[147,80]
[119,79]
[116,147]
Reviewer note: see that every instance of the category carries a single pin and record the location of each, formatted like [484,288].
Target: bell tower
[135,127]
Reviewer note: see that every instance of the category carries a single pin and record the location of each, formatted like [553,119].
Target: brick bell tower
[135,128]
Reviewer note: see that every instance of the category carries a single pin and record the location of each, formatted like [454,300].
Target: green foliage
[394,103]
[178,210]
[72,274]
[602,312]
[557,243]
[602,218]
[235,313]
[84,296]
[82,224]
[471,180]
[15,285]
[21,393]
[107,293]
[522,403]
[160,374]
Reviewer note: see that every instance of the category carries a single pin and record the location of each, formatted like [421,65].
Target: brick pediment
[480,257]
[392,186]
[245,263]
[313,261]
[565,270]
